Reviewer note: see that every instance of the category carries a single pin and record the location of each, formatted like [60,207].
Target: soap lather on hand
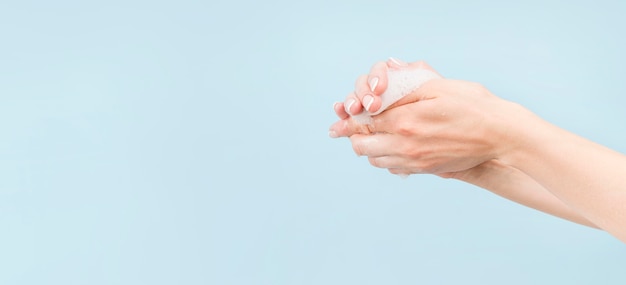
[400,84]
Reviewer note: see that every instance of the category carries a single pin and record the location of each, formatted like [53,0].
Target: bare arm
[588,177]
[513,184]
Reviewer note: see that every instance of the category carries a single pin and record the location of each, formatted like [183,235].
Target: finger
[394,63]
[348,127]
[338,129]
[390,161]
[376,145]
[377,78]
[400,119]
[340,110]
[363,92]
[374,161]
[404,173]
[352,104]
[377,84]
[398,171]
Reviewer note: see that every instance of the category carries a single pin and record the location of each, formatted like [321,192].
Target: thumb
[348,127]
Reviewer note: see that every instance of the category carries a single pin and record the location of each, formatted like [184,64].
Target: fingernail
[350,103]
[373,83]
[368,100]
[332,134]
[335,105]
[398,62]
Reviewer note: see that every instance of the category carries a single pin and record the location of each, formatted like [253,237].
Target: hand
[368,88]
[458,129]
[445,126]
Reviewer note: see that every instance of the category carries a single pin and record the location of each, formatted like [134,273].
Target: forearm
[513,184]
[588,177]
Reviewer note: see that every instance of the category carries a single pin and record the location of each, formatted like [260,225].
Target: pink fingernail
[332,134]
[350,103]
[373,83]
[368,100]
[398,62]
[335,105]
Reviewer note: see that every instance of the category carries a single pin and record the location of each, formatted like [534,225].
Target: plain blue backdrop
[185,142]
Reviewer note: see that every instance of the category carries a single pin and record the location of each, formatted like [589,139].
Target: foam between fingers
[400,83]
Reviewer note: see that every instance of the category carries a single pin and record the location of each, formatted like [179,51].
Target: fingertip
[361,89]
[377,78]
[373,103]
[339,129]
[332,134]
[353,106]
[373,82]
[340,110]
[396,63]
[334,130]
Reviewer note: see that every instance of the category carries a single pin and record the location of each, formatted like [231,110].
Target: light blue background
[185,142]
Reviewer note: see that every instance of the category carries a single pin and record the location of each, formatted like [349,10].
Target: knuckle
[378,69]
[404,128]
[425,166]
[357,148]
[375,162]
[362,129]
[413,151]
[359,85]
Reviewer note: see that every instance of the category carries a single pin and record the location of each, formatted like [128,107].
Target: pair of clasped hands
[458,129]
[445,127]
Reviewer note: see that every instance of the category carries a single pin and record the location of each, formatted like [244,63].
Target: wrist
[523,134]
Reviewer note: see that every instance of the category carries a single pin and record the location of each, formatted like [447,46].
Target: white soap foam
[400,84]
[403,175]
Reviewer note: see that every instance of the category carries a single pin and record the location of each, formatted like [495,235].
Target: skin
[458,129]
